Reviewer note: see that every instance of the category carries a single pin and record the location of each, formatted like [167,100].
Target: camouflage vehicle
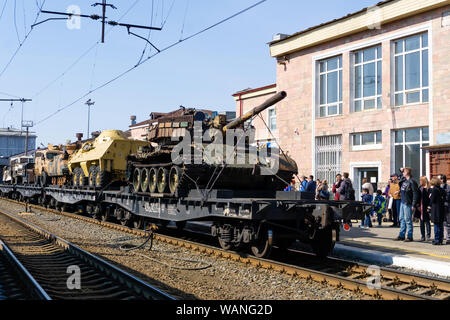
[152,170]
[103,160]
[51,165]
[21,169]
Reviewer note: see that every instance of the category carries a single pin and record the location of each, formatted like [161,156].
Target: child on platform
[380,206]
[366,197]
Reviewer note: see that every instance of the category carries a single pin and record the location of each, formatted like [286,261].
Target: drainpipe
[241,105]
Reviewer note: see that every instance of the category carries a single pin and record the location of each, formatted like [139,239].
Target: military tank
[102,161]
[169,166]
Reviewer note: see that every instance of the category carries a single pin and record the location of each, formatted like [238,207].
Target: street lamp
[27,124]
[89,103]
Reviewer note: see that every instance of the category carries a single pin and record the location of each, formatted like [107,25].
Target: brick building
[365,92]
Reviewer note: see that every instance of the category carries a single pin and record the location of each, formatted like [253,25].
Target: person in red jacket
[336,185]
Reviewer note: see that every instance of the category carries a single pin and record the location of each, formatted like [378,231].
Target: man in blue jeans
[409,193]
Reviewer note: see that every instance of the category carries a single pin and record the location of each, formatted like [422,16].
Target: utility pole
[103,20]
[23,100]
[89,103]
[104,5]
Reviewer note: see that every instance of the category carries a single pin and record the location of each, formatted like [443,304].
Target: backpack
[349,192]
[324,194]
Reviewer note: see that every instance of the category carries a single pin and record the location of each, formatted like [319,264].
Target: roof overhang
[368,18]
[251,93]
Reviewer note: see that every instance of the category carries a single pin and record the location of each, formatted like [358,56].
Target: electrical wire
[149,34]
[10,95]
[15,21]
[3,9]
[85,53]
[184,19]
[21,43]
[149,58]
[168,14]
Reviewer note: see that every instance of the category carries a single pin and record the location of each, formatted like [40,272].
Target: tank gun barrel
[268,103]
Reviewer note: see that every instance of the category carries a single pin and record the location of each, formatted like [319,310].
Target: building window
[367,79]
[408,150]
[366,140]
[330,87]
[328,157]
[272,119]
[411,70]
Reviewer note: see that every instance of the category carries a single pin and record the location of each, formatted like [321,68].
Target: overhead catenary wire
[85,53]
[21,43]
[149,58]
[15,21]
[3,9]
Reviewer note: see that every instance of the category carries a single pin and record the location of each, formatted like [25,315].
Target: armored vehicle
[51,165]
[169,166]
[21,169]
[103,160]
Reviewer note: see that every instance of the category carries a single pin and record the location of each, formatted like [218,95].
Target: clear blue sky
[203,72]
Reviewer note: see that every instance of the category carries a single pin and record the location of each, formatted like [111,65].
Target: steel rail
[139,287]
[33,287]
[349,283]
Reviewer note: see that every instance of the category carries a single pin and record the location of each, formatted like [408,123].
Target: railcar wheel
[180,225]
[225,245]
[175,176]
[104,215]
[323,242]
[137,173]
[162,180]
[138,222]
[152,183]
[145,179]
[262,247]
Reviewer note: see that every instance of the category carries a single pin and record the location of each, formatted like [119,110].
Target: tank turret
[177,158]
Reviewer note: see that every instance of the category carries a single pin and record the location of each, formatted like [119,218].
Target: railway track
[16,283]
[393,284]
[51,262]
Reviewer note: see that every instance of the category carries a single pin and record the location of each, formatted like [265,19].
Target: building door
[371,174]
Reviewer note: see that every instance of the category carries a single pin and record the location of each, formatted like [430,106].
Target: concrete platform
[376,245]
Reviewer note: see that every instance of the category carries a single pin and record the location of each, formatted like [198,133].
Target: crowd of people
[402,201]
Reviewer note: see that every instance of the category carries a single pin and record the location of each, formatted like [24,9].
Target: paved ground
[382,239]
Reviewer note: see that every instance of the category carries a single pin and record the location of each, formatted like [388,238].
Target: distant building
[12,142]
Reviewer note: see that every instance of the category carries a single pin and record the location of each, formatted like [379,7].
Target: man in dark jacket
[311,185]
[409,193]
[446,187]
[346,188]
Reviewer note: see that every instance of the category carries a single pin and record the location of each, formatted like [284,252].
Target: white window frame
[420,89]
[376,146]
[269,118]
[339,102]
[353,83]
[404,144]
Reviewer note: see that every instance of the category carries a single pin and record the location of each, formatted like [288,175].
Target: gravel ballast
[164,265]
